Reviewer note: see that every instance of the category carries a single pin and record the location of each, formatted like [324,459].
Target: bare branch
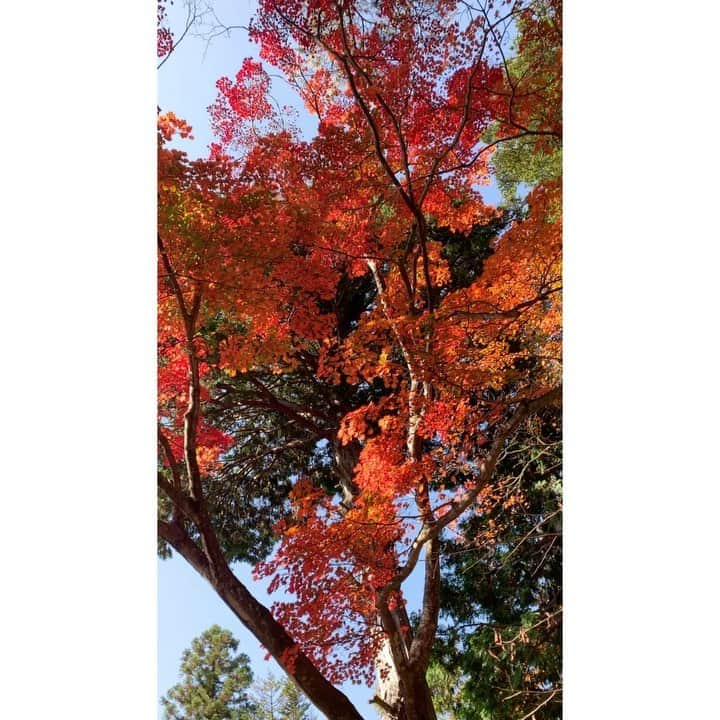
[190,20]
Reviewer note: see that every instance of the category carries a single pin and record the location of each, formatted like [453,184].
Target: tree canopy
[359,358]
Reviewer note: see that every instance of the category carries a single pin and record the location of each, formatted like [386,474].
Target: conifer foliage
[215,680]
[280,700]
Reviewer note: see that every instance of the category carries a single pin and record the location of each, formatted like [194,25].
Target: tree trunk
[260,622]
[388,683]
[417,700]
[406,698]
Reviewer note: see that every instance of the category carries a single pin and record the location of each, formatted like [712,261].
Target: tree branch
[458,507]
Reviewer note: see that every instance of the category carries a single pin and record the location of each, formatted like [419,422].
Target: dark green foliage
[283,427]
[276,422]
[502,599]
[215,679]
[466,254]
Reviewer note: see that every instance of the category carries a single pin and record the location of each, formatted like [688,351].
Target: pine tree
[215,678]
[266,695]
[280,700]
[294,705]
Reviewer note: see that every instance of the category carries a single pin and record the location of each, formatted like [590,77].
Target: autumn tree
[215,680]
[351,339]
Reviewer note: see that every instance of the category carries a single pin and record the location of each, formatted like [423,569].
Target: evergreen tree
[266,695]
[444,686]
[280,700]
[215,679]
[501,646]
[294,705]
